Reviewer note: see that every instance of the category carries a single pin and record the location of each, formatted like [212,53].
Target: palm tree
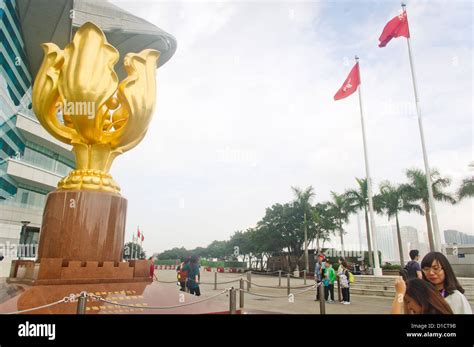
[392,200]
[359,200]
[324,223]
[303,202]
[340,209]
[466,190]
[416,190]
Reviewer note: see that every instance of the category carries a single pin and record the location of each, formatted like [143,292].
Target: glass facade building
[30,160]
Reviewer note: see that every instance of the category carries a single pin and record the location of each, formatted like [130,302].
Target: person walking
[152,267]
[318,274]
[412,269]
[183,271]
[193,276]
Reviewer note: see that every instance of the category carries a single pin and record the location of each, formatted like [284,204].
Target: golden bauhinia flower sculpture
[79,100]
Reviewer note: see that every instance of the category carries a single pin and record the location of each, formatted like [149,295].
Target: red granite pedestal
[81,241]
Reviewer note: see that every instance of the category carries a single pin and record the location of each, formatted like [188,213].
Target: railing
[231,292]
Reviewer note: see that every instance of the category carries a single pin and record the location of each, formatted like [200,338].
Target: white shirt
[458,303]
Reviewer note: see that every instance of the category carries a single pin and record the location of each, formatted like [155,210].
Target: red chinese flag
[143,238]
[350,84]
[138,233]
[398,26]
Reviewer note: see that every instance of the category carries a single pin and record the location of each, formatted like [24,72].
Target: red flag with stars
[398,26]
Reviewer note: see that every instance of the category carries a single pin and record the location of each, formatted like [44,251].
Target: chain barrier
[266,273]
[212,283]
[70,298]
[206,283]
[239,274]
[99,298]
[282,287]
[279,296]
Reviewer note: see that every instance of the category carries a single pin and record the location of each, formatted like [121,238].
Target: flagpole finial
[403,5]
[356,58]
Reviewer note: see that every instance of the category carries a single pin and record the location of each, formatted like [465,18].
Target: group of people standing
[326,275]
[189,275]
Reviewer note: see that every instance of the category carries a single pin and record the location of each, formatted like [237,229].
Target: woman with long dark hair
[437,270]
[418,297]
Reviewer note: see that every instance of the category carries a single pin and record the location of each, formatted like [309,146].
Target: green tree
[417,190]
[303,203]
[324,223]
[466,190]
[284,223]
[264,242]
[359,200]
[218,249]
[174,253]
[341,208]
[240,240]
[133,251]
[392,200]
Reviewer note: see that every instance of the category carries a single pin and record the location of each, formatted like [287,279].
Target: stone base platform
[137,294]
[49,271]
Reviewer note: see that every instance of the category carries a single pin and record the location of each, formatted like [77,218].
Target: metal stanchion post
[241,295]
[232,301]
[304,276]
[249,280]
[322,299]
[81,303]
[288,284]
[215,280]
[279,278]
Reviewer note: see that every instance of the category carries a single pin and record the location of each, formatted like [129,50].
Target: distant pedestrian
[328,281]
[193,276]
[438,271]
[182,274]
[418,297]
[412,269]
[152,267]
[318,274]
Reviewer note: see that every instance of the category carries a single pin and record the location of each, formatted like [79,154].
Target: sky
[245,110]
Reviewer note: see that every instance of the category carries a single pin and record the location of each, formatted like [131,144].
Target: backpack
[408,271]
[182,274]
[351,277]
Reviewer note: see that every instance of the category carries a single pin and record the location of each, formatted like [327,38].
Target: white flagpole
[141,241]
[377,269]
[133,240]
[136,241]
[434,216]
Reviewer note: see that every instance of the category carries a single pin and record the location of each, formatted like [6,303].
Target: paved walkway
[303,303]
